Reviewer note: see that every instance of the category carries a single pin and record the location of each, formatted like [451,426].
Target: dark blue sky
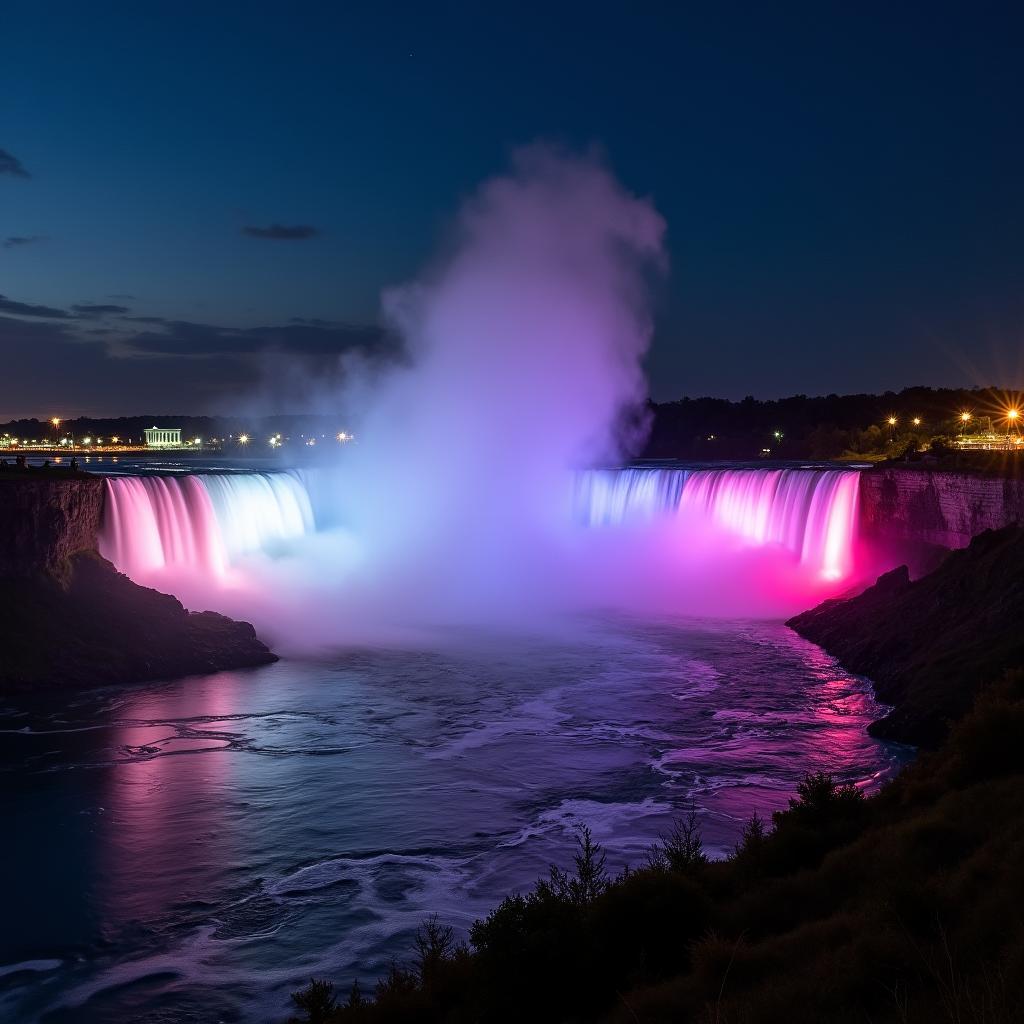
[843,184]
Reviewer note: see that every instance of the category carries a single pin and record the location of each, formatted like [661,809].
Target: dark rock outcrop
[95,626]
[929,644]
[46,516]
[69,619]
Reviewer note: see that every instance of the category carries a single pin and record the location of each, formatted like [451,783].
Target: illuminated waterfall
[812,513]
[200,523]
[204,524]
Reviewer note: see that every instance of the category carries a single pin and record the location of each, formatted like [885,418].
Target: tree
[316,1000]
[590,879]
[680,849]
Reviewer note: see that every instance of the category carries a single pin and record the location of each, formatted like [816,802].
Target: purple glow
[463,500]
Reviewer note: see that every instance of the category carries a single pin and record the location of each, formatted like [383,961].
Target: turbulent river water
[196,850]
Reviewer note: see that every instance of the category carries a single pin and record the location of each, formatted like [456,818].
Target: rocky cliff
[68,618]
[46,516]
[936,507]
[928,645]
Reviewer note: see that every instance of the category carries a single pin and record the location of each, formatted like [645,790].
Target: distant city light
[916,421]
[965,417]
[778,435]
[891,421]
[243,438]
[197,440]
[55,421]
[344,436]
[1012,414]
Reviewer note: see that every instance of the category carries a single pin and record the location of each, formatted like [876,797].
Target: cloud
[10,164]
[25,309]
[99,309]
[283,232]
[59,370]
[15,240]
[183,338]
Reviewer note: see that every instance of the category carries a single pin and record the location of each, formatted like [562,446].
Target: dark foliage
[825,427]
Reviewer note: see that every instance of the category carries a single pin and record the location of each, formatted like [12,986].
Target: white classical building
[163,437]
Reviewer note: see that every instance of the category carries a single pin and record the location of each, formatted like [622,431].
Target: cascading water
[812,513]
[206,524]
[201,524]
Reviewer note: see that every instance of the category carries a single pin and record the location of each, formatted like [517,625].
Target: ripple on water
[235,834]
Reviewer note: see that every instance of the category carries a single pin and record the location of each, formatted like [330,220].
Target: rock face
[46,516]
[69,619]
[928,645]
[936,507]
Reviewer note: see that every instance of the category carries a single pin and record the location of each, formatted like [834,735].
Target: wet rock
[930,644]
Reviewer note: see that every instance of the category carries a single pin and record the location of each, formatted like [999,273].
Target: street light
[965,418]
[916,421]
[56,426]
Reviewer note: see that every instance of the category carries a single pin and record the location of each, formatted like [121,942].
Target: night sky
[194,198]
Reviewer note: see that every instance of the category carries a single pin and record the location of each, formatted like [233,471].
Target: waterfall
[812,513]
[202,523]
[206,523]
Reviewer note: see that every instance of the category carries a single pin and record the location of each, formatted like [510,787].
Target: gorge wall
[936,507]
[45,518]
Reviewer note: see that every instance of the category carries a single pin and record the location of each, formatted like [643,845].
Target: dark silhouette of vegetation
[681,849]
[316,1002]
[821,428]
[901,907]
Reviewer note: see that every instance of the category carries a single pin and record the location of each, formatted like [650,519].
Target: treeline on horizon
[798,427]
[823,427]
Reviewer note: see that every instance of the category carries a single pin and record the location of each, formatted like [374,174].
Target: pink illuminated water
[199,525]
[809,513]
[275,549]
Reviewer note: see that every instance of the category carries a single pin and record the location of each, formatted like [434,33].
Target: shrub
[681,849]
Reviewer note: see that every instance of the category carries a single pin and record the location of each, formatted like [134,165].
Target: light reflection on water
[207,845]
